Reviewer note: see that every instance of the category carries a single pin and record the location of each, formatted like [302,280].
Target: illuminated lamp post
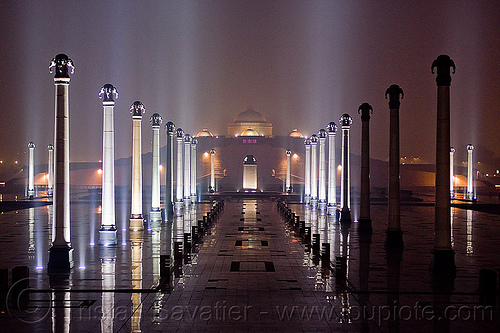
[470,173]
[211,189]
[107,232]
[452,176]
[345,188]
[314,171]
[394,234]
[307,176]
[137,109]
[187,169]
[155,213]
[61,252]
[169,192]
[194,195]
[288,189]
[365,221]
[179,168]
[332,178]
[31,170]
[50,182]
[444,256]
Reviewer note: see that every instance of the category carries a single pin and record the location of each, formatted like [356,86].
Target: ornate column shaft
[332,169]
[287,179]
[137,109]
[179,168]
[470,173]
[307,176]
[107,233]
[187,169]
[169,182]
[194,196]
[443,253]
[322,170]
[31,170]
[155,213]
[212,171]
[50,182]
[394,233]
[61,252]
[345,188]
[365,221]
[314,171]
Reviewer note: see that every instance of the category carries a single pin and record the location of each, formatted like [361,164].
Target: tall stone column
[332,169]
[365,221]
[194,196]
[288,188]
[345,185]
[470,173]
[314,171]
[394,234]
[107,233]
[180,168]
[444,256]
[452,175]
[307,176]
[137,109]
[31,170]
[155,213]
[50,181]
[169,192]
[322,170]
[212,171]
[187,169]
[61,252]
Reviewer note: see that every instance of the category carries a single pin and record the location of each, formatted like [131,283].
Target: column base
[136,224]
[307,200]
[332,209]
[314,203]
[178,205]
[365,225]
[394,240]
[345,216]
[193,199]
[60,259]
[322,205]
[155,215]
[107,235]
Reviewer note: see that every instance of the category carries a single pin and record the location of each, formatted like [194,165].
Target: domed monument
[249,123]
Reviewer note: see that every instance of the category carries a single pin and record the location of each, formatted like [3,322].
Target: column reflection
[469,226]
[136,241]
[108,269]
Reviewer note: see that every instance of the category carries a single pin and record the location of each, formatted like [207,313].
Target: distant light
[295,155]
[161,167]
[92,244]
[1,162]
[339,167]
[39,268]
[82,267]
[100,161]
[206,154]
[124,229]
[99,171]
[124,243]
[15,162]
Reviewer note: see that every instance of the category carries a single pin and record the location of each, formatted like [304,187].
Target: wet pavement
[251,272]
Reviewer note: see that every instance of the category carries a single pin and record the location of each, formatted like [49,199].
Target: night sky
[300,63]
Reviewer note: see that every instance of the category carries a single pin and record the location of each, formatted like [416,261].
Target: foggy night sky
[300,63]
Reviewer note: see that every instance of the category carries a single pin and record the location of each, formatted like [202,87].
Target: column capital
[212,151]
[314,139]
[322,133]
[288,152]
[394,91]
[179,133]
[31,145]
[170,127]
[470,147]
[443,63]
[365,110]
[194,141]
[62,66]
[345,120]
[50,146]
[187,138]
[331,128]
[106,94]
[155,120]
[137,109]
[452,150]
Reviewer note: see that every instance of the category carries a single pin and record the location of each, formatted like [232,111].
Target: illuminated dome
[250,116]
[204,132]
[296,134]
[249,132]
